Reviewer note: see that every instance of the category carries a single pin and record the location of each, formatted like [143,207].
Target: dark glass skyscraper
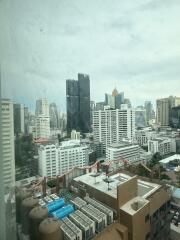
[78,104]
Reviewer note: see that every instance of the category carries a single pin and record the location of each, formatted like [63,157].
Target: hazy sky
[133,45]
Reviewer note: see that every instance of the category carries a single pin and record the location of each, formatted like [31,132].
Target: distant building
[78,104]
[123,151]
[53,113]
[111,126]
[140,117]
[100,106]
[19,123]
[115,99]
[162,145]
[175,117]
[42,126]
[42,120]
[55,160]
[163,109]
[149,112]
[42,107]
[75,135]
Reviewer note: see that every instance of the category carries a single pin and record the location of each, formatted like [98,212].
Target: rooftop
[144,188]
[134,205]
[171,158]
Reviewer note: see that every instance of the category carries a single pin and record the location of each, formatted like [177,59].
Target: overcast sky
[133,45]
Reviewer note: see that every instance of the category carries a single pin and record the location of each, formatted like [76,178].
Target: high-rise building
[84,102]
[42,120]
[111,126]
[78,104]
[8,143]
[53,112]
[110,101]
[7,172]
[149,113]
[163,109]
[19,124]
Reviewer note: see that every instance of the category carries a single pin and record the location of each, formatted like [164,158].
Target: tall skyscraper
[19,124]
[42,121]
[84,102]
[111,126]
[163,109]
[53,112]
[78,104]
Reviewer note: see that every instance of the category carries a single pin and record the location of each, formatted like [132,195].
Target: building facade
[149,109]
[42,126]
[8,143]
[123,151]
[140,117]
[55,160]
[111,126]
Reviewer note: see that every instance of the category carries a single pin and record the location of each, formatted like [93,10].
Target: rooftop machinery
[70,229]
[97,216]
[101,207]
[84,223]
[78,202]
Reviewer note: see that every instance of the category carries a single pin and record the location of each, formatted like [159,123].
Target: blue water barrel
[63,212]
[55,205]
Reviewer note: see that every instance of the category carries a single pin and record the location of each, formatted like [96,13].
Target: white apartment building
[42,126]
[111,126]
[123,150]
[8,143]
[57,160]
[162,145]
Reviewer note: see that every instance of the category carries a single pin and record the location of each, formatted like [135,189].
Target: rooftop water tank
[27,205]
[63,212]
[36,216]
[50,230]
[55,205]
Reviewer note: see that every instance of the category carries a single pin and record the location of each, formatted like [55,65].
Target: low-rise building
[124,150]
[142,207]
[162,145]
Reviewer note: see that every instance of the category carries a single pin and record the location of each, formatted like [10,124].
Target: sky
[133,45]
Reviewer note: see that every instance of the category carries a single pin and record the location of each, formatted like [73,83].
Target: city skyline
[116,49]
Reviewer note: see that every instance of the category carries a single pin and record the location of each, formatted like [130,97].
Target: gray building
[53,113]
[18,111]
[149,111]
[78,104]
